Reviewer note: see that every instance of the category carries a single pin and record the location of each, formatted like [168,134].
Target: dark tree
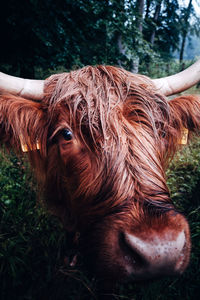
[186,12]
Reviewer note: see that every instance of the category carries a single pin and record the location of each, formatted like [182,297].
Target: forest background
[41,37]
[140,35]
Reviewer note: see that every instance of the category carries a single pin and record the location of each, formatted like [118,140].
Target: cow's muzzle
[121,250]
[155,256]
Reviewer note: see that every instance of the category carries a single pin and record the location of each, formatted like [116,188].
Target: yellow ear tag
[29,147]
[184,136]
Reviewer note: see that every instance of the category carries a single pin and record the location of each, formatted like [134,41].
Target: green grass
[33,244]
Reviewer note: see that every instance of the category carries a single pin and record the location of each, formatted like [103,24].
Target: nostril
[131,254]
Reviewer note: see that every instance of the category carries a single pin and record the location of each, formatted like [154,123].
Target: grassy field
[33,245]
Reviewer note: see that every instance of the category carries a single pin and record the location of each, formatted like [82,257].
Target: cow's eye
[67,134]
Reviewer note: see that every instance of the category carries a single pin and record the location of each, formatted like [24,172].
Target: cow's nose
[155,255]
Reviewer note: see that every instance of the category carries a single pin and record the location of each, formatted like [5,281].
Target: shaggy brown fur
[113,169]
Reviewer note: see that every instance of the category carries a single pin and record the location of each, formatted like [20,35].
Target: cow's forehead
[89,82]
[92,96]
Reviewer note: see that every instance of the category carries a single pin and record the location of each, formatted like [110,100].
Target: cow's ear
[21,123]
[185,112]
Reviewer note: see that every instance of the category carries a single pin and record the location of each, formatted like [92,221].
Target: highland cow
[99,140]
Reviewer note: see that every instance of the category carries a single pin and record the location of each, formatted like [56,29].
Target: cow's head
[99,140]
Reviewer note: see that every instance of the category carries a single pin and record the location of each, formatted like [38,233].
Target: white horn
[179,82]
[28,88]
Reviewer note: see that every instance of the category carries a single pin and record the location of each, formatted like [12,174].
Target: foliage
[50,34]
